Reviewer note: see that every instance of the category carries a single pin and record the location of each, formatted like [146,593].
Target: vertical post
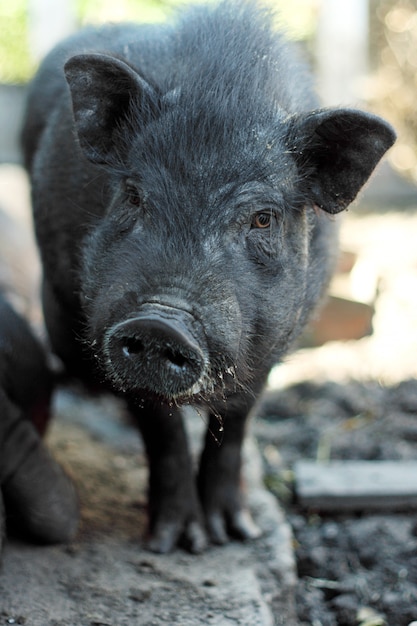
[342,50]
[49,22]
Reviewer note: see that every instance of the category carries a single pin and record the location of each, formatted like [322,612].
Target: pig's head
[205,263]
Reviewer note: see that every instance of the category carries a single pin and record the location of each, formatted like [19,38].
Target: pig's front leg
[174,509]
[219,479]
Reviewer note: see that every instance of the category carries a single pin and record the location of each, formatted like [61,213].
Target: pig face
[181,291]
[199,273]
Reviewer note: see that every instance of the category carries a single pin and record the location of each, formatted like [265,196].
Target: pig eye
[262,219]
[133,195]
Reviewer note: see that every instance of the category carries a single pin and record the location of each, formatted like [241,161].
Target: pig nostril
[175,358]
[131,346]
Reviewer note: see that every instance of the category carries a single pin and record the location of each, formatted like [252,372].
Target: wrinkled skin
[183,182]
[37,499]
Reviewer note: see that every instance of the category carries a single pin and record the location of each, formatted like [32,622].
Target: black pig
[36,496]
[183,178]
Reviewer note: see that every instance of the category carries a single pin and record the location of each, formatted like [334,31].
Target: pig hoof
[239,525]
[166,535]
[216,527]
[243,527]
[194,538]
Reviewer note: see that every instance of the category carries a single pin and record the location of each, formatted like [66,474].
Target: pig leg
[39,498]
[219,479]
[175,514]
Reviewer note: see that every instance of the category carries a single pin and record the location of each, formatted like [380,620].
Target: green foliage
[138,10]
[15,64]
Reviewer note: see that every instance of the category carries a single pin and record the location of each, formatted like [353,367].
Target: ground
[358,567]
[106,577]
[344,400]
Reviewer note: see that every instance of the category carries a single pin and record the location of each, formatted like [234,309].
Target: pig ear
[338,149]
[105,91]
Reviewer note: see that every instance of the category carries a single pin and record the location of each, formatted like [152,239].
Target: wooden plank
[357,485]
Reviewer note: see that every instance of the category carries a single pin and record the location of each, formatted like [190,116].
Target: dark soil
[357,568]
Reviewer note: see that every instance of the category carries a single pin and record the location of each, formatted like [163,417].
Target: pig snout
[160,349]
